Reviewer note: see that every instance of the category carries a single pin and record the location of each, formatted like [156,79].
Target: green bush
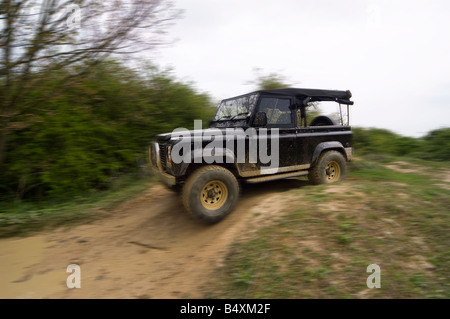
[434,146]
[94,129]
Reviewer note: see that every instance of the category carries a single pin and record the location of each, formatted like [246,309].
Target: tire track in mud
[149,247]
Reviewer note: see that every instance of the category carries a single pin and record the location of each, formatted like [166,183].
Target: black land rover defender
[256,137]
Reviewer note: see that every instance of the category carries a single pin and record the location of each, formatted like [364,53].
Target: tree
[269,81]
[41,37]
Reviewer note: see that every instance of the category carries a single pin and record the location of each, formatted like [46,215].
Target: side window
[277,110]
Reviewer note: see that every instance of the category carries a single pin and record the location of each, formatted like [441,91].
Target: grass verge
[328,236]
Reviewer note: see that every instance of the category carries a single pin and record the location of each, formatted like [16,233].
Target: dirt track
[149,247]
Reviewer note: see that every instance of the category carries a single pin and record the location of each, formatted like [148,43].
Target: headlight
[169,154]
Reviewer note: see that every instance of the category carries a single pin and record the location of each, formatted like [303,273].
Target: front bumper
[156,166]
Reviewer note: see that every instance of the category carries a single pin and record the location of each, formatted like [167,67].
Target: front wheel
[330,168]
[211,193]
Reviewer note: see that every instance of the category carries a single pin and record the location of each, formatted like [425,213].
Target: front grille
[163,156]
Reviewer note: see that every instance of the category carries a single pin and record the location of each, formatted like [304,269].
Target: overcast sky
[393,55]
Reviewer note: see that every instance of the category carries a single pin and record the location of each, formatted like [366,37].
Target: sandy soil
[149,247]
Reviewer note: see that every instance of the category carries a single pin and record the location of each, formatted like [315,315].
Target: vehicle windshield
[236,108]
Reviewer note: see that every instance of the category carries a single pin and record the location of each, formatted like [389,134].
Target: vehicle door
[281,116]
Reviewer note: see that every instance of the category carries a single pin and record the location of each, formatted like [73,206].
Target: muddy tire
[330,168]
[211,193]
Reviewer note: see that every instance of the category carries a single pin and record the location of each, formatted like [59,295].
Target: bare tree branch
[39,37]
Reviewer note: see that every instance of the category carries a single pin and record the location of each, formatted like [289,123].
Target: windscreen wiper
[240,114]
[223,118]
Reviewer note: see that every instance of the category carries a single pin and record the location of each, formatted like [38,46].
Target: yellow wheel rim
[214,195]
[332,172]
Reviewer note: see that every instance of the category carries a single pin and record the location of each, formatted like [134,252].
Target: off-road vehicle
[256,137]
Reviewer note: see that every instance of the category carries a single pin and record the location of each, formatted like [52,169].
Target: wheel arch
[222,157]
[327,146]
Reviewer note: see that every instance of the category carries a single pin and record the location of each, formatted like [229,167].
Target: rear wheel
[211,193]
[330,168]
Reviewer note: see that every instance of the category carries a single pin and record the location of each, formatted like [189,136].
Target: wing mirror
[260,119]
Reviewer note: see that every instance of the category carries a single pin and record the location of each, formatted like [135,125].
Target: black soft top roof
[313,95]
